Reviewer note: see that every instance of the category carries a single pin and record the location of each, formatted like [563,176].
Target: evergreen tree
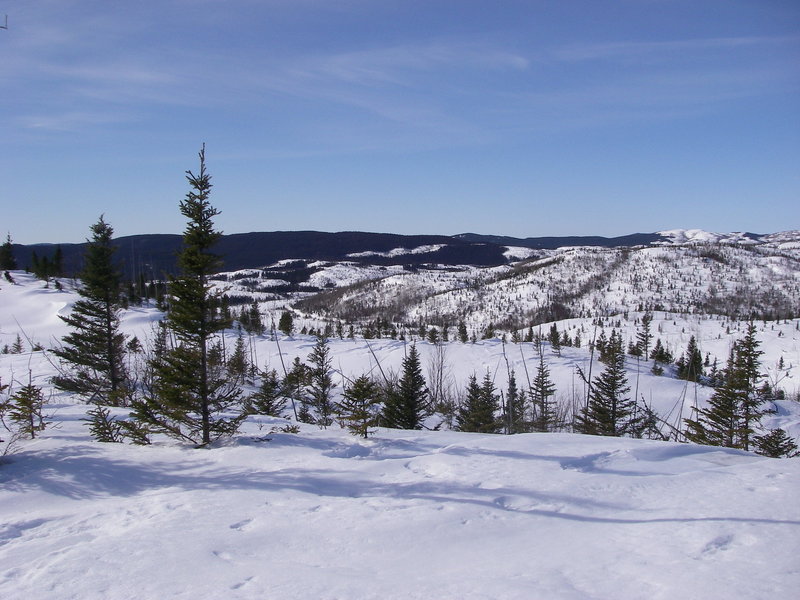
[718,424]
[103,426]
[357,410]
[286,323]
[609,411]
[7,260]
[462,332]
[294,384]
[542,393]
[251,320]
[690,364]
[238,362]
[776,444]
[320,381]
[406,404]
[748,367]
[270,397]
[515,406]
[58,262]
[644,336]
[477,412]
[609,350]
[25,410]
[94,351]
[555,340]
[661,354]
[191,396]
[735,409]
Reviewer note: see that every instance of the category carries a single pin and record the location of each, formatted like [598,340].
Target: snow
[426,249]
[404,514]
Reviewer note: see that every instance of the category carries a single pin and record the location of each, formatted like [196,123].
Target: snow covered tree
[93,353]
[191,397]
[357,410]
[406,403]
[477,412]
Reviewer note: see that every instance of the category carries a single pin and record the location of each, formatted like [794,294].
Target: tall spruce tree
[644,336]
[690,365]
[191,396]
[93,352]
[610,411]
[735,409]
[406,404]
[515,406]
[320,381]
[542,392]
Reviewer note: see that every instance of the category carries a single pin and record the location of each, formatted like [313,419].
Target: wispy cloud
[666,49]
[70,121]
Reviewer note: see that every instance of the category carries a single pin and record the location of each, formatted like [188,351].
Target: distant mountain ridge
[154,254]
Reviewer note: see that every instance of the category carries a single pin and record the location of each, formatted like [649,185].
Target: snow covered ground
[404,515]
[434,514]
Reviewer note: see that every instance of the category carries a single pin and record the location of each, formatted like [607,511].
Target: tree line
[188,386]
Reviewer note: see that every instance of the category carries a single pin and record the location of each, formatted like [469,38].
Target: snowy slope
[402,515]
[714,279]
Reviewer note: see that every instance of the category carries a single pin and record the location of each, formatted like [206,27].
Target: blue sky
[522,118]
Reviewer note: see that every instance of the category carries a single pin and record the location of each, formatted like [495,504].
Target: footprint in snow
[718,544]
[241,584]
[241,525]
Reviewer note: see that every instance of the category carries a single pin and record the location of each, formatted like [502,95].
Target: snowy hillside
[709,278]
[409,514]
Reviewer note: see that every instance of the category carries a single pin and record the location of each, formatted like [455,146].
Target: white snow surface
[686,236]
[403,514]
[399,251]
